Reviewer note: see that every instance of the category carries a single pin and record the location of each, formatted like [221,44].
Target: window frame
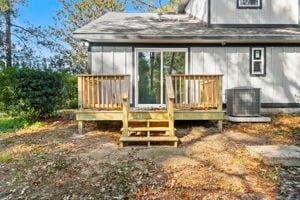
[263,59]
[259,6]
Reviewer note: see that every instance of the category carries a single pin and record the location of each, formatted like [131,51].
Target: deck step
[144,129]
[150,120]
[148,115]
[149,139]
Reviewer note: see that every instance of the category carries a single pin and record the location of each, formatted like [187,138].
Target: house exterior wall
[198,9]
[272,12]
[110,60]
[280,85]
[222,12]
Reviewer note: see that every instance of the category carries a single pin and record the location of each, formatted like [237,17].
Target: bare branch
[146,4]
[21,39]
[24,29]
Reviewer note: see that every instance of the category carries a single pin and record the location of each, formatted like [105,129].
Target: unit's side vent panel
[243,102]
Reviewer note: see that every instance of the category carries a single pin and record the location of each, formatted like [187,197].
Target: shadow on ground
[55,162]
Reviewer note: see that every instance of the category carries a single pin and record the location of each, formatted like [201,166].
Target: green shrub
[70,92]
[31,93]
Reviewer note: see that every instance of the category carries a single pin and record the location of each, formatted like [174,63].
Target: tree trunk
[8,42]
[152,57]
[172,63]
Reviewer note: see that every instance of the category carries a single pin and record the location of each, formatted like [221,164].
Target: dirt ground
[53,162]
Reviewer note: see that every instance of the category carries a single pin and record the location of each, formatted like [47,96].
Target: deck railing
[199,92]
[103,91]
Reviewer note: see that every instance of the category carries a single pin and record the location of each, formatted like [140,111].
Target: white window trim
[262,60]
[160,50]
[258,5]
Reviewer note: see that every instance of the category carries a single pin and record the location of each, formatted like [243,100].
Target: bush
[70,92]
[31,93]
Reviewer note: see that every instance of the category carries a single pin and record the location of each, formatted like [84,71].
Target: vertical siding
[198,9]
[112,60]
[281,84]
[272,12]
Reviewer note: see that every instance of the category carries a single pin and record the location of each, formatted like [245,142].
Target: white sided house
[250,42]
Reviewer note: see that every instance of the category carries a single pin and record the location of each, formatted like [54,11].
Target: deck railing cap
[197,75]
[107,75]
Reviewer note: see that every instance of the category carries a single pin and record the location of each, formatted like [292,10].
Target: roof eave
[187,39]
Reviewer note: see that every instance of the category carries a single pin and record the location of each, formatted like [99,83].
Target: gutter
[188,39]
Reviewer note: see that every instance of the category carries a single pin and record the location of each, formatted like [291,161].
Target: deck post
[80,127]
[170,104]
[220,126]
[80,93]
[171,117]
[125,117]
[220,104]
[80,102]
[125,101]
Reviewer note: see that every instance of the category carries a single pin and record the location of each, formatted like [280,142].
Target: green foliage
[12,123]
[31,93]
[72,15]
[6,158]
[70,92]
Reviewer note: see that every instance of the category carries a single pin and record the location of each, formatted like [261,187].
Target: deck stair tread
[150,139]
[150,120]
[151,129]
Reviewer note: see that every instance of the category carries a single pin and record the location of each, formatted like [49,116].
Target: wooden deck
[188,97]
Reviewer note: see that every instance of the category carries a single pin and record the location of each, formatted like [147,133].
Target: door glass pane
[174,63]
[149,77]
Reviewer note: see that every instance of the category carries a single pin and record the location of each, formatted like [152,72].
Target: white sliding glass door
[152,65]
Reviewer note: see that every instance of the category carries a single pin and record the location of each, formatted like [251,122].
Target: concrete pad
[249,119]
[245,139]
[280,110]
[273,155]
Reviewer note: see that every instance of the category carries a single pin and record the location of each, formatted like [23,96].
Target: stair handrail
[169,88]
[126,104]
[170,101]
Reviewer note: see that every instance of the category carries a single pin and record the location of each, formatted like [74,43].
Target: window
[258,61]
[249,4]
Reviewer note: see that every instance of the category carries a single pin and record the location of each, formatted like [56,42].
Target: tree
[155,5]
[77,13]
[15,39]
[73,15]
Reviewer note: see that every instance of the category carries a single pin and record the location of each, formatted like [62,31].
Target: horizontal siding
[272,12]
[281,84]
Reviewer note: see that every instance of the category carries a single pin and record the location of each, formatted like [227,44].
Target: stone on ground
[259,119]
[244,138]
[273,155]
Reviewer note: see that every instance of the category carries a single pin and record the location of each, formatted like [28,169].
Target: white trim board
[161,50]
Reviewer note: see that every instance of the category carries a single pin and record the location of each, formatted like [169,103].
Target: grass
[8,123]
[6,158]
[12,123]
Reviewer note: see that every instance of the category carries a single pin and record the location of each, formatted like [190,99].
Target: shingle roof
[175,28]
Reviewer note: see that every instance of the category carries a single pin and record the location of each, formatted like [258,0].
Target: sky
[40,12]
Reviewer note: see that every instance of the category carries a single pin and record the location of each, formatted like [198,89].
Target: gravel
[289,184]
